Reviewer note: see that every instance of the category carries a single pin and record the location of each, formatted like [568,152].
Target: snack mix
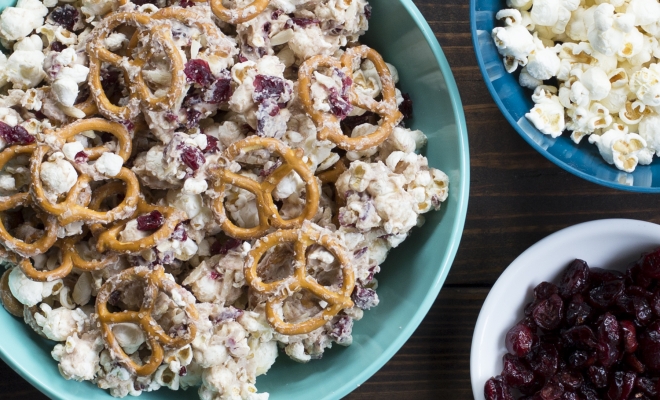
[593,67]
[189,187]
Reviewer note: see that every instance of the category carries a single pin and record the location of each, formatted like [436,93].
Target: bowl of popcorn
[214,199]
[578,81]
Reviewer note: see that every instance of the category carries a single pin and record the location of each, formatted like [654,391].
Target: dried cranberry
[150,222]
[646,385]
[598,375]
[223,248]
[268,125]
[519,340]
[192,157]
[515,373]
[579,359]
[575,279]
[544,290]
[621,386]
[226,315]
[367,11]
[589,393]
[406,106]
[186,3]
[496,389]
[339,105]
[650,264]
[577,311]
[608,340]
[580,337]
[215,275]
[268,87]
[649,344]
[543,360]
[211,144]
[220,91]
[81,157]
[180,233]
[553,390]
[267,26]
[57,46]
[171,117]
[600,275]
[364,298]
[629,336]
[342,329]
[16,135]
[633,362]
[113,300]
[549,313]
[193,117]
[571,379]
[301,22]
[130,126]
[66,16]
[183,371]
[606,294]
[199,72]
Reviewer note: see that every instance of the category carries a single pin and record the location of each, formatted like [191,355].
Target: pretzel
[108,237]
[70,259]
[70,210]
[237,15]
[13,306]
[156,282]
[269,216]
[279,291]
[140,92]
[328,124]
[330,177]
[23,247]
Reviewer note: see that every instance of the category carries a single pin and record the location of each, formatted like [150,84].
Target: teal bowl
[412,275]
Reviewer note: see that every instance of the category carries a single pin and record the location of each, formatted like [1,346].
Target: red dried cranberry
[339,106]
[608,340]
[643,312]
[57,46]
[579,359]
[267,26]
[649,344]
[367,11]
[192,157]
[496,389]
[575,279]
[549,313]
[171,117]
[553,390]
[598,376]
[342,329]
[571,379]
[211,144]
[629,336]
[223,248]
[406,106]
[81,157]
[633,362]
[66,16]
[180,233]
[183,371]
[544,290]
[364,298]
[580,337]
[16,135]
[606,294]
[150,222]
[215,275]
[226,315]
[519,340]
[589,393]
[220,91]
[600,275]
[198,71]
[515,373]
[577,311]
[543,360]
[129,125]
[646,385]
[301,22]
[268,87]
[193,117]
[186,3]
[650,264]
[621,386]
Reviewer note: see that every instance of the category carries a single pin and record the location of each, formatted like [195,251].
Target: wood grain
[517,197]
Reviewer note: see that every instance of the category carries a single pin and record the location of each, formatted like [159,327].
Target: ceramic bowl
[609,243]
[412,275]
[514,101]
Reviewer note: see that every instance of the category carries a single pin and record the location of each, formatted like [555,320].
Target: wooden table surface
[517,197]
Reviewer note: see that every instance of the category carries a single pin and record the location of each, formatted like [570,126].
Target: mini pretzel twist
[21,247]
[70,210]
[328,124]
[155,283]
[108,237]
[70,259]
[269,216]
[140,92]
[280,290]
[13,306]
[237,16]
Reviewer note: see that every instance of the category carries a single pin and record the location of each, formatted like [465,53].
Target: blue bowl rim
[463,187]
[514,123]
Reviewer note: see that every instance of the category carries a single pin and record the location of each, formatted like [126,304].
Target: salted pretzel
[328,124]
[279,291]
[139,92]
[69,259]
[13,306]
[269,216]
[25,248]
[108,237]
[155,282]
[71,209]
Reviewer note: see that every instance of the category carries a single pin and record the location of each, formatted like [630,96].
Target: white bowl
[609,243]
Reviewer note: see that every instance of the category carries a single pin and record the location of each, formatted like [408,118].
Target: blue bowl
[412,276]
[514,101]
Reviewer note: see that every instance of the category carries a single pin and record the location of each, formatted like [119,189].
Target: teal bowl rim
[536,146]
[463,186]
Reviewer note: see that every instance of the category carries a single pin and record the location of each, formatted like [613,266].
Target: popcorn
[109,164]
[513,41]
[548,114]
[619,148]
[18,22]
[58,175]
[645,83]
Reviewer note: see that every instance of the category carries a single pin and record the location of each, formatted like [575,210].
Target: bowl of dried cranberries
[574,317]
